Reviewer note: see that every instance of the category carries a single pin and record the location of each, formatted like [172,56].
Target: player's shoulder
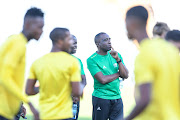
[78,59]
[18,39]
[93,56]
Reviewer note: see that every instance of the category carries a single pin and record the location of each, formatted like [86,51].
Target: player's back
[164,67]
[54,72]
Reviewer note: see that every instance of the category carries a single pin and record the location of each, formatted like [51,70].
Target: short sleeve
[121,58]
[32,74]
[92,66]
[75,75]
[144,69]
[82,68]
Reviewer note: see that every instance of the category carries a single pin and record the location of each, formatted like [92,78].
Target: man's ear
[97,44]
[60,42]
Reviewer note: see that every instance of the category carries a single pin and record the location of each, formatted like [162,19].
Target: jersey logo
[104,67]
[98,108]
[115,65]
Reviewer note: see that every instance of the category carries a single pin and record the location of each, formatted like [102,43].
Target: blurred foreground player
[76,100]
[12,62]
[59,77]
[157,70]
[174,37]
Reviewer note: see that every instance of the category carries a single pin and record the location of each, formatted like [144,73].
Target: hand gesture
[114,54]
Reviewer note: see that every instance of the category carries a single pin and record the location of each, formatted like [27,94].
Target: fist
[114,54]
[75,99]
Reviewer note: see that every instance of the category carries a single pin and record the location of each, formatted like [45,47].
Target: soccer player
[174,37]
[59,77]
[12,62]
[156,72]
[106,67]
[160,30]
[83,77]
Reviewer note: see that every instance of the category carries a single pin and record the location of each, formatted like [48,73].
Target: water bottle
[121,83]
[74,110]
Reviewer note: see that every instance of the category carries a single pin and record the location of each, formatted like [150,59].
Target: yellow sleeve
[32,74]
[75,72]
[9,63]
[144,66]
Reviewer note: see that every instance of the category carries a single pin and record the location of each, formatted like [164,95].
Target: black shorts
[3,118]
[104,109]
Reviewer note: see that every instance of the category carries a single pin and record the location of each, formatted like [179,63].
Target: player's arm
[9,63]
[143,101]
[83,76]
[75,76]
[123,71]
[104,79]
[96,72]
[30,87]
[77,89]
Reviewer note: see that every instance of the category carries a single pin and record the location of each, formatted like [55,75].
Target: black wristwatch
[119,61]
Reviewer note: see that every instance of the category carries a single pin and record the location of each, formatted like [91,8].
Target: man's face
[36,27]
[105,42]
[129,27]
[73,46]
[67,43]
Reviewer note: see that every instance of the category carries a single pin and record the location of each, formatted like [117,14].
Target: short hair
[58,34]
[34,12]
[159,28]
[138,12]
[97,37]
[173,35]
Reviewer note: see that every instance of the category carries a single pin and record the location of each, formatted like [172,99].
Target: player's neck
[55,49]
[141,35]
[26,34]
[101,52]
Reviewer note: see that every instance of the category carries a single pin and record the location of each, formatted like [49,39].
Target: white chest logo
[104,67]
[115,65]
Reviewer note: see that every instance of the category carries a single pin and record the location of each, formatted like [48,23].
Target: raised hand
[114,54]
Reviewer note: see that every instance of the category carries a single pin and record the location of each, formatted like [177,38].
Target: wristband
[119,61]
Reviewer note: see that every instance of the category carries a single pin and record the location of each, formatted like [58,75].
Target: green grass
[86,103]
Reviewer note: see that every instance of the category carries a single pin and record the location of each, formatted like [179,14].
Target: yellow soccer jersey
[158,63]
[12,69]
[55,72]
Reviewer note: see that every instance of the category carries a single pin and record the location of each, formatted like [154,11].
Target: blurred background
[86,18]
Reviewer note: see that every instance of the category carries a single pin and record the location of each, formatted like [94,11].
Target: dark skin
[83,77]
[60,45]
[104,45]
[32,29]
[137,30]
